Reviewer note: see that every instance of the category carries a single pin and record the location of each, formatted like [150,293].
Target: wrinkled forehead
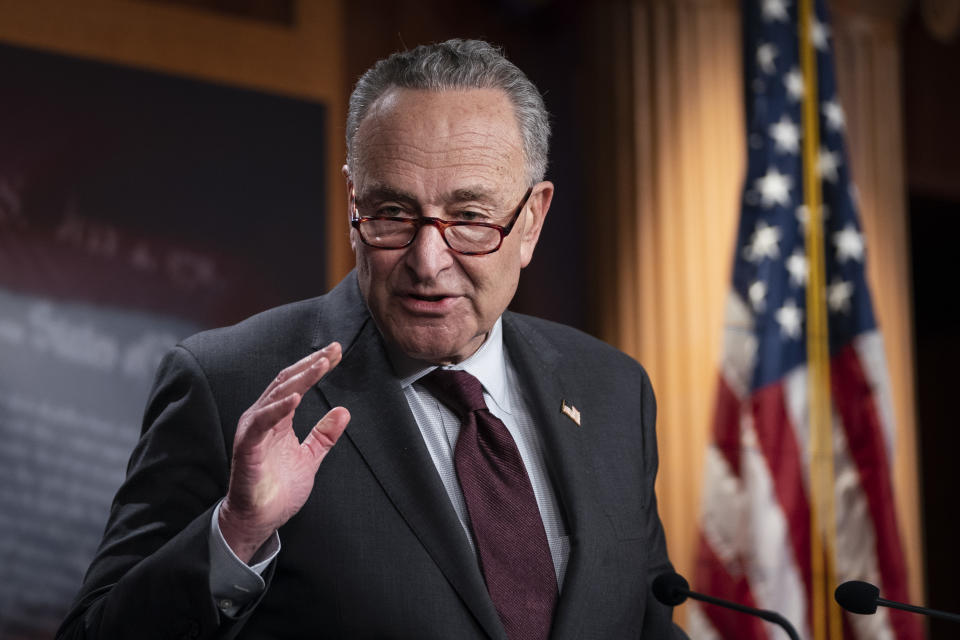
[427,136]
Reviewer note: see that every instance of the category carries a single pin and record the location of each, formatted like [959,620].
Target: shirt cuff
[233,583]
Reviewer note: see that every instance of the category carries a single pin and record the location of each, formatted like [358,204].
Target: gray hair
[458,64]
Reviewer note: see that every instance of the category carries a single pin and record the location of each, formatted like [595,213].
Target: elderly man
[496,478]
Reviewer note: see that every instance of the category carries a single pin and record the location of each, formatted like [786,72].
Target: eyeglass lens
[392,234]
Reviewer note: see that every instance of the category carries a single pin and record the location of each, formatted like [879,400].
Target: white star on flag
[827,164]
[833,112]
[803,217]
[774,188]
[786,135]
[775,10]
[849,244]
[765,55]
[854,194]
[794,83]
[790,317]
[799,269]
[764,243]
[758,295]
[838,295]
[819,33]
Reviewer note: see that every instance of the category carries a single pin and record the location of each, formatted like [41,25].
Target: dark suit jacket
[377,550]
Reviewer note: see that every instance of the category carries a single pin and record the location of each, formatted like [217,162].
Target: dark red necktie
[507,527]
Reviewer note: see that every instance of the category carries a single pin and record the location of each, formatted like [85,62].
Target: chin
[434,348]
[438,354]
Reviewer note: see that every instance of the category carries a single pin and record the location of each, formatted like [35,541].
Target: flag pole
[823,518]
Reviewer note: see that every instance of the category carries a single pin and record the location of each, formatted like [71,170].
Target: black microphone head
[670,588]
[857,596]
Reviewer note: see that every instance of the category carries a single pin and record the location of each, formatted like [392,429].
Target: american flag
[755,540]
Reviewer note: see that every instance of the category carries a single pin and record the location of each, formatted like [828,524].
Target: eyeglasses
[467,238]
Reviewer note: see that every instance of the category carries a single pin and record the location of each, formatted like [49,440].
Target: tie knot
[457,389]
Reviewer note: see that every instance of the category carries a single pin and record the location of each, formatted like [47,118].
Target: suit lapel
[383,430]
[547,386]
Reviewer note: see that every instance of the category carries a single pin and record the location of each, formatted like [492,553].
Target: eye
[470,216]
[392,211]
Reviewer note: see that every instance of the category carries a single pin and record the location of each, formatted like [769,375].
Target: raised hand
[273,472]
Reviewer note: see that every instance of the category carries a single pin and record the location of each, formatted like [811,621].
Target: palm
[279,473]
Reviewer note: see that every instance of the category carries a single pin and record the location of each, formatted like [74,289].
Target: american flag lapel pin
[570,411]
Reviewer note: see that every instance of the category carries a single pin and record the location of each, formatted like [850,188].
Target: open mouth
[427,298]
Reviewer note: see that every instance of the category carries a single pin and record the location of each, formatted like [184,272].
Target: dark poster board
[135,209]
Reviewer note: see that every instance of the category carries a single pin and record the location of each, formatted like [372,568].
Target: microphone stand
[672,589]
[769,616]
[862,598]
[914,609]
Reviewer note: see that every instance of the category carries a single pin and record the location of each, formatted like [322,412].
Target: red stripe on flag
[861,422]
[778,442]
[726,425]
[713,579]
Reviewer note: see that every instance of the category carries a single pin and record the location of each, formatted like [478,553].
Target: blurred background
[171,165]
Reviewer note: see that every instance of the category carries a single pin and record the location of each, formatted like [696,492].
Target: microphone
[672,589]
[862,597]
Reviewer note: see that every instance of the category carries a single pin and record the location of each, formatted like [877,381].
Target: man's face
[454,155]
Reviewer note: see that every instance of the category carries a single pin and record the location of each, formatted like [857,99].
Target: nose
[428,254]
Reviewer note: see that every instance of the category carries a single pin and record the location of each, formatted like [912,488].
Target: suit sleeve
[658,618]
[151,574]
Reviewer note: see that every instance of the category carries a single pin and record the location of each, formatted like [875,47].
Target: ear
[351,199]
[537,206]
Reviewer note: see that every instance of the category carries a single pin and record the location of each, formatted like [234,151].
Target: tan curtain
[679,145]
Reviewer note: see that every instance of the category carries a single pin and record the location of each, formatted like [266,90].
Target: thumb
[325,434]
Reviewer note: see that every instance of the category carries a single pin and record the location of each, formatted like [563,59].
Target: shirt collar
[488,365]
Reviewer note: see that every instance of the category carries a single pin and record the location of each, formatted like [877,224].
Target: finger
[301,382]
[291,371]
[264,418]
[326,433]
[331,351]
